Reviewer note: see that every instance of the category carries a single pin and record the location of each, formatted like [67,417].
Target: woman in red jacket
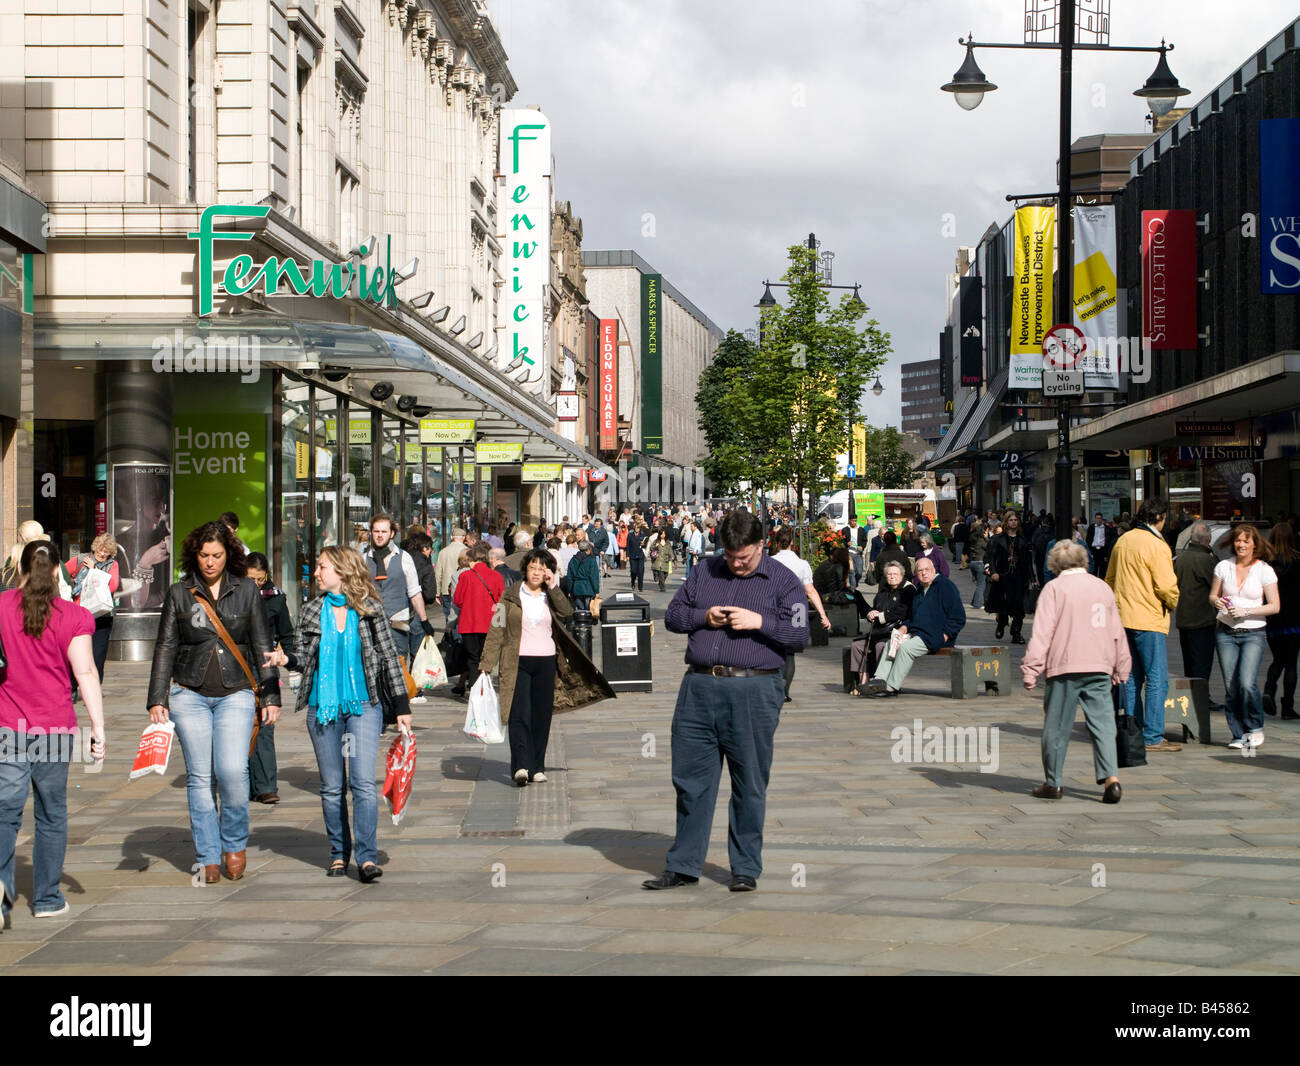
[478,591]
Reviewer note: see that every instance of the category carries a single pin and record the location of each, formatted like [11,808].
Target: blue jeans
[981,583]
[1150,665]
[734,717]
[214,735]
[42,761]
[1239,657]
[354,767]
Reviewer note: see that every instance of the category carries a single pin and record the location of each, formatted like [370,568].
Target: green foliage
[725,463]
[888,466]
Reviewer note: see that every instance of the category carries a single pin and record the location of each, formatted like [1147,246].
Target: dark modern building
[923,403]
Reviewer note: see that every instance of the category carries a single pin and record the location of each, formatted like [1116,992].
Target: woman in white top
[1244,591]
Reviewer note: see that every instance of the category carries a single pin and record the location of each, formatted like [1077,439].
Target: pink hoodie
[1077,630]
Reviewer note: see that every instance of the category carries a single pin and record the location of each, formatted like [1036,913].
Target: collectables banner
[1031,298]
[1279,205]
[1096,295]
[1169,280]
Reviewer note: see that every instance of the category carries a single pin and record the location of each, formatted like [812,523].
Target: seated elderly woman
[1080,644]
[891,608]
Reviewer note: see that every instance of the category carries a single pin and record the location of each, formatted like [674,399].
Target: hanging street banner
[608,384]
[971,324]
[446,431]
[652,366]
[526,255]
[487,453]
[1279,205]
[1096,294]
[1169,280]
[541,473]
[1031,295]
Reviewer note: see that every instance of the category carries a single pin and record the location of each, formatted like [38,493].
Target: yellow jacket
[1141,573]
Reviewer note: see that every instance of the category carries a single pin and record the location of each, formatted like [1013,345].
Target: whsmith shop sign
[319,278]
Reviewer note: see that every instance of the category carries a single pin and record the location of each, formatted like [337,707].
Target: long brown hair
[358,585]
[1281,539]
[40,588]
[1262,550]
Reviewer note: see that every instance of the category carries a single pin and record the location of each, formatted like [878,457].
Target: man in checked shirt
[743,612]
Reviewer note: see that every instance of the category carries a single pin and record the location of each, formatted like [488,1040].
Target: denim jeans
[42,761]
[214,735]
[981,583]
[1150,666]
[355,768]
[1239,658]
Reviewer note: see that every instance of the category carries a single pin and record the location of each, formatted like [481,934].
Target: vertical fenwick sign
[1169,280]
[526,262]
[608,384]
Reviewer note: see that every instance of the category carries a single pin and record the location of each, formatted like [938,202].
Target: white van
[900,504]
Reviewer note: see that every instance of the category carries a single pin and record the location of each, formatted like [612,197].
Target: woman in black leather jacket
[199,686]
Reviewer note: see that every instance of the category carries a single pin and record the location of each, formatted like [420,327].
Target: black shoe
[1016,638]
[369,872]
[788,700]
[669,879]
[1270,705]
[1113,793]
[1289,712]
[883,693]
[741,883]
[998,635]
[1048,792]
[338,868]
[459,690]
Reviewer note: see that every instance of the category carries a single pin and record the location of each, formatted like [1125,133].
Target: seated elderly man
[937,618]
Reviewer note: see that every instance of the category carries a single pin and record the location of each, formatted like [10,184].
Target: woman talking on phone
[209,667]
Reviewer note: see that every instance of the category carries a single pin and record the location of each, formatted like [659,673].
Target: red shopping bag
[155,749]
[401,771]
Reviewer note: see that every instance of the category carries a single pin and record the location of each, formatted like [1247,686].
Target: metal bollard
[582,630]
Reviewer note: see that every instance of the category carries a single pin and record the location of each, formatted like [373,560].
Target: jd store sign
[318,278]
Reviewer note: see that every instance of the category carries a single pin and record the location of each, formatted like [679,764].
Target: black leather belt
[730,671]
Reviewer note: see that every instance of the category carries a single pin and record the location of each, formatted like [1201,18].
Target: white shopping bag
[95,596]
[483,716]
[155,750]
[428,669]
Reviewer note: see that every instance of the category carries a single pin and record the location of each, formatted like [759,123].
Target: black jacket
[893,554]
[830,579]
[277,615]
[182,648]
[895,604]
[634,551]
[425,572]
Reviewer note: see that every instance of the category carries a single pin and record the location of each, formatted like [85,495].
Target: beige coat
[577,681]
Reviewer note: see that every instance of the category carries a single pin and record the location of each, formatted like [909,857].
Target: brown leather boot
[234,864]
[211,875]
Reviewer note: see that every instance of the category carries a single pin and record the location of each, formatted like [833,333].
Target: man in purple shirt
[743,612]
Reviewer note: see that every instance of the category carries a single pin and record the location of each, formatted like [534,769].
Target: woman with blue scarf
[345,652]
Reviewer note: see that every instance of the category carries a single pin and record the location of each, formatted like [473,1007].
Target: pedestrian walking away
[43,638]
[1194,616]
[208,684]
[1283,629]
[1079,643]
[542,668]
[351,682]
[1141,574]
[1244,592]
[1009,563]
[635,557]
[262,770]
[780,546]
[102,558]
[476,595]
[742,612]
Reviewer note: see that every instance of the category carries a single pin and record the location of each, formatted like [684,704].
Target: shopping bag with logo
[428,669]
[155,749]
[95,596]
[483,716]
[400,773]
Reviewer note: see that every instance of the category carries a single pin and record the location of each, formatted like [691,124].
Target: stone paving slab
[872,866]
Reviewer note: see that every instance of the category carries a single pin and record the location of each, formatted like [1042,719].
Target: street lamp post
[1161,91]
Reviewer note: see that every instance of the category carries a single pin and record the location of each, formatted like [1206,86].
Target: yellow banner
[488,452]
[538,473]
[1031,299]
[446,431]
[301,459]
[859,451]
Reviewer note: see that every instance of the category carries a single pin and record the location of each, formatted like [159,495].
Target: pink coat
[1077,630]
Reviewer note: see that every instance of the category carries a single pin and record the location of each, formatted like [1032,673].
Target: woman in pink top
[1079,642]
[42,635]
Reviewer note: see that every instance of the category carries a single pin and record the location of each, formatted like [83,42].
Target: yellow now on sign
[489,452]
[539,473]
[446,431]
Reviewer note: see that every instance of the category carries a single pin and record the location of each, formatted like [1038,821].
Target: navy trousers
[735,717]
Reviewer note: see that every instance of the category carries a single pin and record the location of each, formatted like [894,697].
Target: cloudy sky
[742,125]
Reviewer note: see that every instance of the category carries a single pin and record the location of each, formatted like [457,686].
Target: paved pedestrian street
[872,866]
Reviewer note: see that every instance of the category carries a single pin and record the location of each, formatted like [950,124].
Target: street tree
[725,463]
[888,465]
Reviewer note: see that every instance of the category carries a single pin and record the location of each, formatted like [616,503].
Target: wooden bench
[1189,701]
[973,665]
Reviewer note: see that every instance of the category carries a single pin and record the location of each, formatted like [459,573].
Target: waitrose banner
[1031,297]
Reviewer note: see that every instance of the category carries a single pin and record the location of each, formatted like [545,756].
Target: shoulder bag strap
[224,634]
[485,588]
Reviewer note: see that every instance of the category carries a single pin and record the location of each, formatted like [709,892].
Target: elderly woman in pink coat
[1079,643]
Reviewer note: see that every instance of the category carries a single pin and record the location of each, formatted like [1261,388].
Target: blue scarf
[339,687]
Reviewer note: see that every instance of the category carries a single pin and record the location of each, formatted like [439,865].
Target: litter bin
[625,630]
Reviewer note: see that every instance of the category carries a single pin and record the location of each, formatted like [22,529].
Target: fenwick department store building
[189,361]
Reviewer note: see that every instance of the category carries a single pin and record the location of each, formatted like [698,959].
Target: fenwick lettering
[319,278]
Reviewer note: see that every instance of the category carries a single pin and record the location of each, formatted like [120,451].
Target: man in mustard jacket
[1141,573]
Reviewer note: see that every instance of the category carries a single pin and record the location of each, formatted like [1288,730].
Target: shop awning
[1264,386]
[968,404]
[307,346]
[969,432]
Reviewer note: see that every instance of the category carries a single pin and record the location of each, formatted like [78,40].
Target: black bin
[625,630]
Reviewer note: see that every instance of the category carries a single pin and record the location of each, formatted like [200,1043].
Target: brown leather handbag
[233,648]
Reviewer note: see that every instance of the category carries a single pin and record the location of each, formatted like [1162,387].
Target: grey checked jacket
[378,655]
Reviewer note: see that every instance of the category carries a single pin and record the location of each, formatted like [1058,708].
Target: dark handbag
[1131,746]
[454,656]
[387,704]
[233,648]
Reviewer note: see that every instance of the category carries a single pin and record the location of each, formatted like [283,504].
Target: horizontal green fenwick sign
[320,278]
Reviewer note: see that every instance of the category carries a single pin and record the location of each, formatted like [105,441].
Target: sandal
[338,868]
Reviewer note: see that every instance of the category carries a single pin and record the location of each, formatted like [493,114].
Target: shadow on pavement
[303,778]
[163,842]
[633,849]
[1268,762]
[974,778]
[23,880]
[462,767]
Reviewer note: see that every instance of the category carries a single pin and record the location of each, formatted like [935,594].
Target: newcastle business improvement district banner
[1031,296]
[1096,295]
